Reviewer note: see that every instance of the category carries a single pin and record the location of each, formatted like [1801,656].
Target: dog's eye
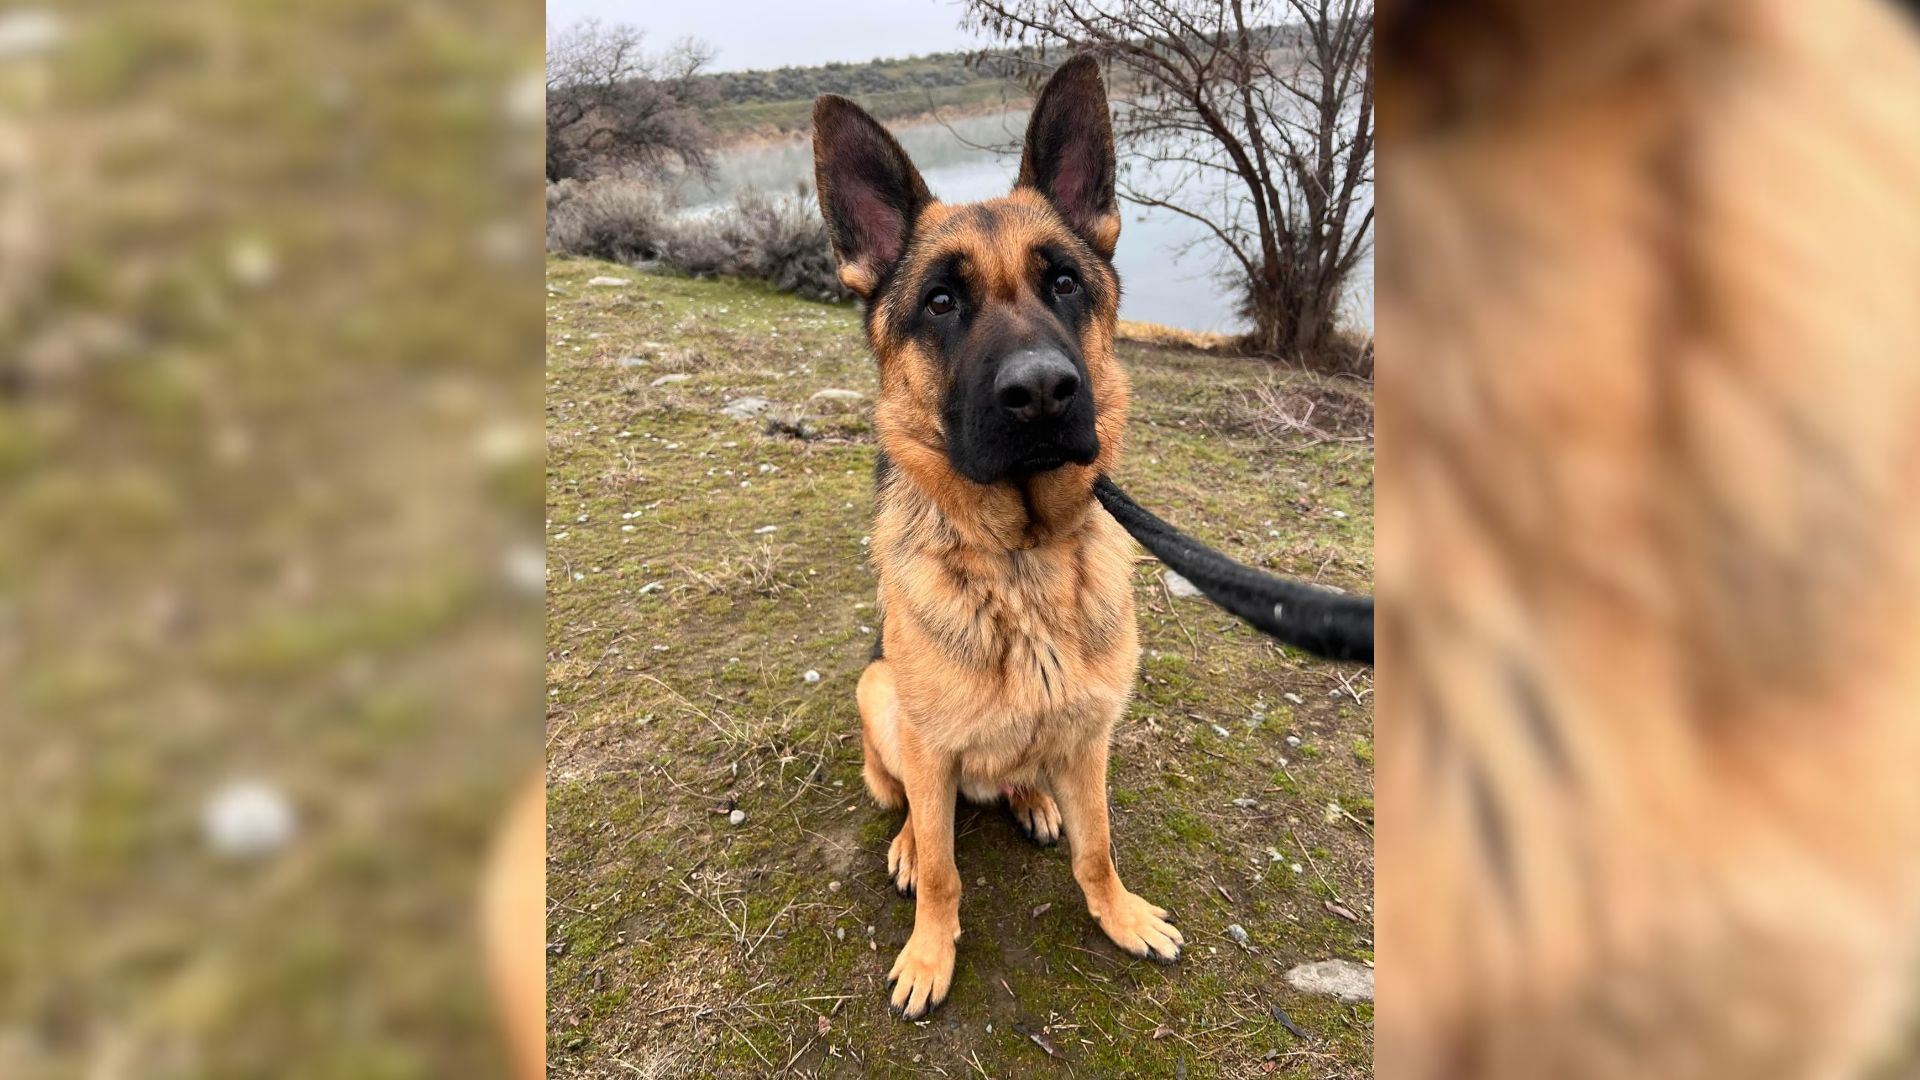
[940,303]
[1064,285]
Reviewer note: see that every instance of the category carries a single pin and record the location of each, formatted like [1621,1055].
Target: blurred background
[270,559]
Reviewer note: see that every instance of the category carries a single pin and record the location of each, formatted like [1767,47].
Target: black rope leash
[1328,624]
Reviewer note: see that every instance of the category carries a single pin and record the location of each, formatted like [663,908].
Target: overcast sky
[774,33]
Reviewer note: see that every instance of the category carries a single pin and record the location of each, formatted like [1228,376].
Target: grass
[700,567]
[735,120]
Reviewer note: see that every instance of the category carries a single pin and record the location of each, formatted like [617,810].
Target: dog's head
[993,321]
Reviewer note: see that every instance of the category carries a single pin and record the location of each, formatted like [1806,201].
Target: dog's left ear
[1069,153]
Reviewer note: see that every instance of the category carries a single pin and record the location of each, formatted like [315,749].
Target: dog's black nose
[1036,384]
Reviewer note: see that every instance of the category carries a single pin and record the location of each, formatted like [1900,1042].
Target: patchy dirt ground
[700,567]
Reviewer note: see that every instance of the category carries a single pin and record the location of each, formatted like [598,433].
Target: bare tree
[611,105]
[1253,118]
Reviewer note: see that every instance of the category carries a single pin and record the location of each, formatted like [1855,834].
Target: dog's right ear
[869,192]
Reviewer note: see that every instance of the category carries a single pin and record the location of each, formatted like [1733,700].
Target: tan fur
[1649,539]
[513,920]
[1009,629]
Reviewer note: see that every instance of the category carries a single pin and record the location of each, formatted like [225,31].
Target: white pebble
[247,819]
[811,676]
[29,32]
[738,817]
[525,568]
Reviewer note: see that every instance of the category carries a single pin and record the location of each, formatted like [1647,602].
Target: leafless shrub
[782,241]
[613,106]
[618,220]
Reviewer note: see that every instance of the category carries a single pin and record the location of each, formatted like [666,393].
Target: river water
[1166,261]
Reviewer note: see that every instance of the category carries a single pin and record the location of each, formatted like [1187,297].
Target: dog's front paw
[1141,928]
[922,974]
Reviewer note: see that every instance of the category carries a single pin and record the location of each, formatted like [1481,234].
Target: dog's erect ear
[1069,155]
[869,192]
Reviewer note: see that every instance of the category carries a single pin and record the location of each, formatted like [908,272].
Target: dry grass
[1148,333]
[1296,410]
[757,572]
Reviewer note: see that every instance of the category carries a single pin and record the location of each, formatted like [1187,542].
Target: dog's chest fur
[1011,658]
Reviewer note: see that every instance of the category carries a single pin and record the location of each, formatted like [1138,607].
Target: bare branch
[1253,118]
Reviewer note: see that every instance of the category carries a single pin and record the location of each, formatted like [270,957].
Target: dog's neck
[1050,508]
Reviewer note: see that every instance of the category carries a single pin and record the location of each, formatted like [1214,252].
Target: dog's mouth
[1050,456]
[1045,461]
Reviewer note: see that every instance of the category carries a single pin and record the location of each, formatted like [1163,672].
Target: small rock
[1042,910]
[247,819]
[664,380]
[830,401]
[745,408]
[525,568]
[1293,740]
[738,817]
[252,263]
[1246,803]
[606,280]
[1220,731]
[632,361]
[981,882]
[1287,1021]
[1238,933]
[29,32]
[1341,979]
[811,676]
[1179,586]
[833,886]
[1295,698]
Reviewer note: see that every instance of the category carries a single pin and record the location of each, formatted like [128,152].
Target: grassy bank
[789,116]
[700,566]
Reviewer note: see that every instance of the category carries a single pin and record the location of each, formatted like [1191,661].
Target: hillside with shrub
[781,99]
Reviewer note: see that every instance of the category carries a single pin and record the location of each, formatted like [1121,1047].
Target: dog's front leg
[1141,928]
[924,969]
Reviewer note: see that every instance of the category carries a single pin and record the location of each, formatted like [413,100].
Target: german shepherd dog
[1007,645]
